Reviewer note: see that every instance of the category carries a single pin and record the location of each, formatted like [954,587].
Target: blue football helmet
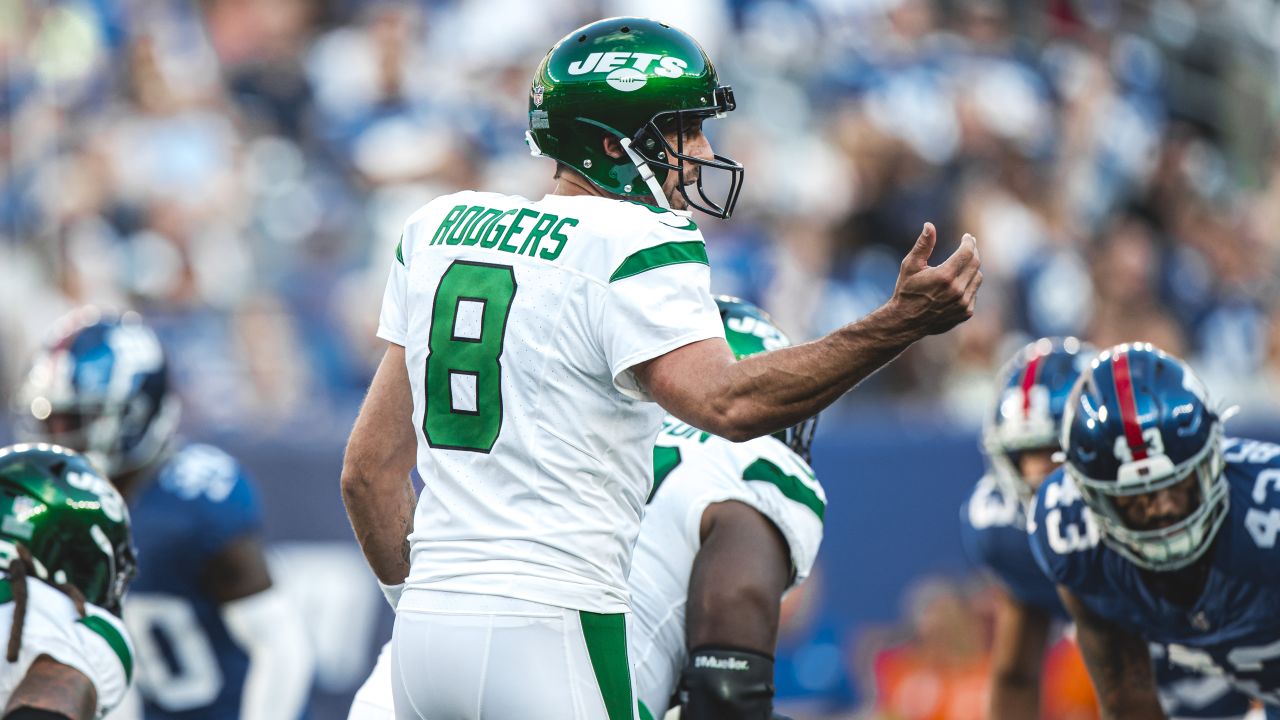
[1140,421]
[102,388]
[1033,389]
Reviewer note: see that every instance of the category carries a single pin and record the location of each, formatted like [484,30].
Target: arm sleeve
[271,633]
[393,321]
[658,299]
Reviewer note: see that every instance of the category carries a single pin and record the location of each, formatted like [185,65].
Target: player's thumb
[918,257]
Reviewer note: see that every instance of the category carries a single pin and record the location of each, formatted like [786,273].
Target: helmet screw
[661,155]
[626,188]
[586,163]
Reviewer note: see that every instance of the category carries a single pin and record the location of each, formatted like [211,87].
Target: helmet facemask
[1185,541]
[649,149]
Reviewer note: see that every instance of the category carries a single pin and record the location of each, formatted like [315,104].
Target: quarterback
[67,558]
[532,348]
[727,529]
[215,638]
[1161,531]
[1021,442]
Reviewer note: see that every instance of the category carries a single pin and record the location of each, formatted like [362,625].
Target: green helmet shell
[751,331]
[71,519]
[614,77]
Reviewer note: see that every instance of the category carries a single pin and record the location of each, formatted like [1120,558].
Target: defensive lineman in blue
[215,640]
[1021,442]
[1160,531]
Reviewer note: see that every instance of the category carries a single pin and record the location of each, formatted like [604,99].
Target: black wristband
[726,684]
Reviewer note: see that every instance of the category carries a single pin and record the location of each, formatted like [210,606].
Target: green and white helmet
[750,331]
[69,517]
[634,79]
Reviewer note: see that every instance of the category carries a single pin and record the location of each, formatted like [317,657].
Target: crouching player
[728,529]
[1020,441]
[67,558]
[216,638]
[1160,531]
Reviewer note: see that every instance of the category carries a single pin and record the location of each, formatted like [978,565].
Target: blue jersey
[993,529]
[189,668]
[1233,629]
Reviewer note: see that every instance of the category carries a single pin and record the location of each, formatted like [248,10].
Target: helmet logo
[538,91]
[600,62]
[626,79]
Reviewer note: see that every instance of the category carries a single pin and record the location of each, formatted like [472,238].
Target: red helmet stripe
[1128,406]
[1029,377]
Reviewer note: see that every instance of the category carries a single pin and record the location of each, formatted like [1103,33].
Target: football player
[215,638]
[1161,531]
[1021,442]
[528,343]
[65,561]
[728,528]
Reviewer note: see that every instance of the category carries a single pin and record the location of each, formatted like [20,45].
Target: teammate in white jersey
[532,348]
[728,528]
[65,560]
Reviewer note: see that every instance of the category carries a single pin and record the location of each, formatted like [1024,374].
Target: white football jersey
[694,469]
[521,320]
[96,645]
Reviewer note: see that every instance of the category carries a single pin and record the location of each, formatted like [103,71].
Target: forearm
[1014,695]
[1021,634]
[1119,665]
[375,470]
[380,506]
[771,391]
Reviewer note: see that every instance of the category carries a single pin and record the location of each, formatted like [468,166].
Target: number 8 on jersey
[464,382]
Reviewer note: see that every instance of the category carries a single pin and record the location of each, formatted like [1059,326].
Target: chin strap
[646,174]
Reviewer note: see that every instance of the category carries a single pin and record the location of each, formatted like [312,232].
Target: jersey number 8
[464,382]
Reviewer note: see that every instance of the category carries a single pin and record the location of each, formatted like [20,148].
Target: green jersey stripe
[114,639]
[792,487]
[606,637]
[400,250]
[672,253]
[645,713]
[6,592]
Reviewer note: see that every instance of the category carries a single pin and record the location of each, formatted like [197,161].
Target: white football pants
[458,656]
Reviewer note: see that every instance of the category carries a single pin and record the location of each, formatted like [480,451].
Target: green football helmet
[69,517]
[750,331]
[634,79]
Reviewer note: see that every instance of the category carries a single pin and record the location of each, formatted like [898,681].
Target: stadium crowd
[239,171]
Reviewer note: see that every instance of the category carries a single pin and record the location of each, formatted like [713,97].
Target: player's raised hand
[936,299]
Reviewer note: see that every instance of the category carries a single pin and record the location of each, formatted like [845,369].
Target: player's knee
[724,683]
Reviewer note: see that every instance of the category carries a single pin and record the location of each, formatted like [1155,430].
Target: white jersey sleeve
[658,299]
[393,321]
[97,645]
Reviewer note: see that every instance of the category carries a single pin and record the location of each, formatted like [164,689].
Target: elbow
[733,420]
[354,481]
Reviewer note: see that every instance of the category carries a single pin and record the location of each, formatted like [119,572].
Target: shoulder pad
[201,471]
[1064,536]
